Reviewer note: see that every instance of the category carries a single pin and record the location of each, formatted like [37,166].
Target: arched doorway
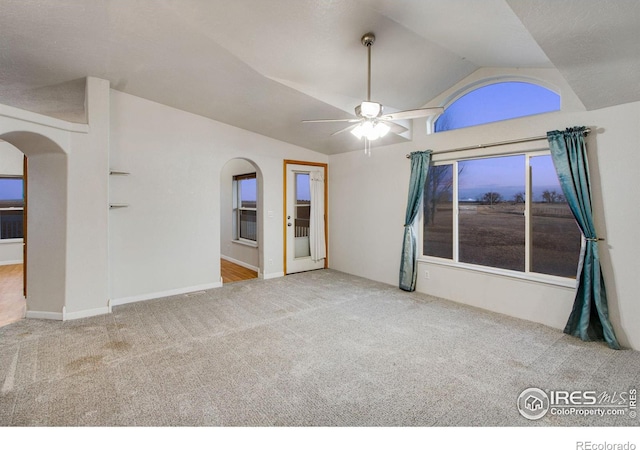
[46,223]
[12,214]
[241,220]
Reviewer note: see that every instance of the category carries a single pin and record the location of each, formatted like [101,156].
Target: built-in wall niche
[118,173]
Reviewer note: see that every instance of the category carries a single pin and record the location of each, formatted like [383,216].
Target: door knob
[289,224]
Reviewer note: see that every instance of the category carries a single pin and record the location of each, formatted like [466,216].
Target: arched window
[495,102]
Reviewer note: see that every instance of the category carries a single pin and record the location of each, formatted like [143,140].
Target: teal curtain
[419,169]
[589,319]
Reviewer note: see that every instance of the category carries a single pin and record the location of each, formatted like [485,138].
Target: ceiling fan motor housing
[369,110]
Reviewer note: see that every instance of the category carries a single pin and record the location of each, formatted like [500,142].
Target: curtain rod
[497,144]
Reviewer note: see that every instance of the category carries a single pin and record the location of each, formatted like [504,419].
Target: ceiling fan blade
[349,128]
[395,127]
[330,120]
[412,113]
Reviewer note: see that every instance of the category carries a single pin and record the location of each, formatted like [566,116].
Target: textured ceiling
[595,44]
[264,65]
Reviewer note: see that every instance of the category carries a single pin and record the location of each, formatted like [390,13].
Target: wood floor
[232,272]
[12,302]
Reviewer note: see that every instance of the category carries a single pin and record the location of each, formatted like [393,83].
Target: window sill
[530,277]
[245,242]
[12,241]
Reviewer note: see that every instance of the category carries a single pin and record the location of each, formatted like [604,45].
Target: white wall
[10,164]
[67,225]
[87,219]
[369,197]
[231,250]
[47,237]
[168,240]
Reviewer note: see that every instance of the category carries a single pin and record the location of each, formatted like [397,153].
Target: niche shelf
[118,173]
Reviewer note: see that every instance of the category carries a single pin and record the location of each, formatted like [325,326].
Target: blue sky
[505,175]
[11,189]
[248,188]
[495,102]
[303,187]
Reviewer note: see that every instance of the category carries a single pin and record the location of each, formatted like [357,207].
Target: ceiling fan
[370,121]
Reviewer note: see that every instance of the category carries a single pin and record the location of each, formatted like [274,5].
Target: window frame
[527,274]
[11,207]
[238,209]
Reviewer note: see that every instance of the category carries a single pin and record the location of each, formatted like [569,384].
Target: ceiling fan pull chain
[367,147]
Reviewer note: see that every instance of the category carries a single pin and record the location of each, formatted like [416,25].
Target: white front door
[298,213]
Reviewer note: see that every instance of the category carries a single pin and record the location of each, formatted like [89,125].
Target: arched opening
[241,221]
[45,237]
[12,213]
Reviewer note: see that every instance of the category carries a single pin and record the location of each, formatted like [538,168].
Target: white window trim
[246,242]
[236,211]
[12,241]
[533,277]
[527,275]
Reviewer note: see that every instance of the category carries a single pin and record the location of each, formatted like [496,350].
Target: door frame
[25,209]
[325,166]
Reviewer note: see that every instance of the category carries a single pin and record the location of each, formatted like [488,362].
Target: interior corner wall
[244,255]
[11,161]
[88,196]
[369,196]
[167,241]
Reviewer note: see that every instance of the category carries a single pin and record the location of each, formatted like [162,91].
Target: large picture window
[505,212]
[245,207]
[11,207]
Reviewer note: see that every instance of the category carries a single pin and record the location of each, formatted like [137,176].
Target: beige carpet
[319,348]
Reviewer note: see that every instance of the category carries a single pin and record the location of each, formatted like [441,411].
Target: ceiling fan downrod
[367,40]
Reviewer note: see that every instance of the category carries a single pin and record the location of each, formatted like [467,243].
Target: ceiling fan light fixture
[370,130]
[369,110]
[383,129]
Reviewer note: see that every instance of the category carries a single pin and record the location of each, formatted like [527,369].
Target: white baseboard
[240,263]
[156,295]
[85,313]
[48,315]
[10,263]
[44,315]
[64,315]
[268,276]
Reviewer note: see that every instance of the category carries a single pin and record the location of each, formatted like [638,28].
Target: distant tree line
[493,198]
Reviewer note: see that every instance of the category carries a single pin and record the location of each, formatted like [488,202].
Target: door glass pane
[438,212]
[491,214]
[302,215]
[556,238]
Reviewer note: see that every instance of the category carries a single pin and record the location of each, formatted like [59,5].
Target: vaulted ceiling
[264,65]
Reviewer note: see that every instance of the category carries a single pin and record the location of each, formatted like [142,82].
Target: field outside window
[504,212]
